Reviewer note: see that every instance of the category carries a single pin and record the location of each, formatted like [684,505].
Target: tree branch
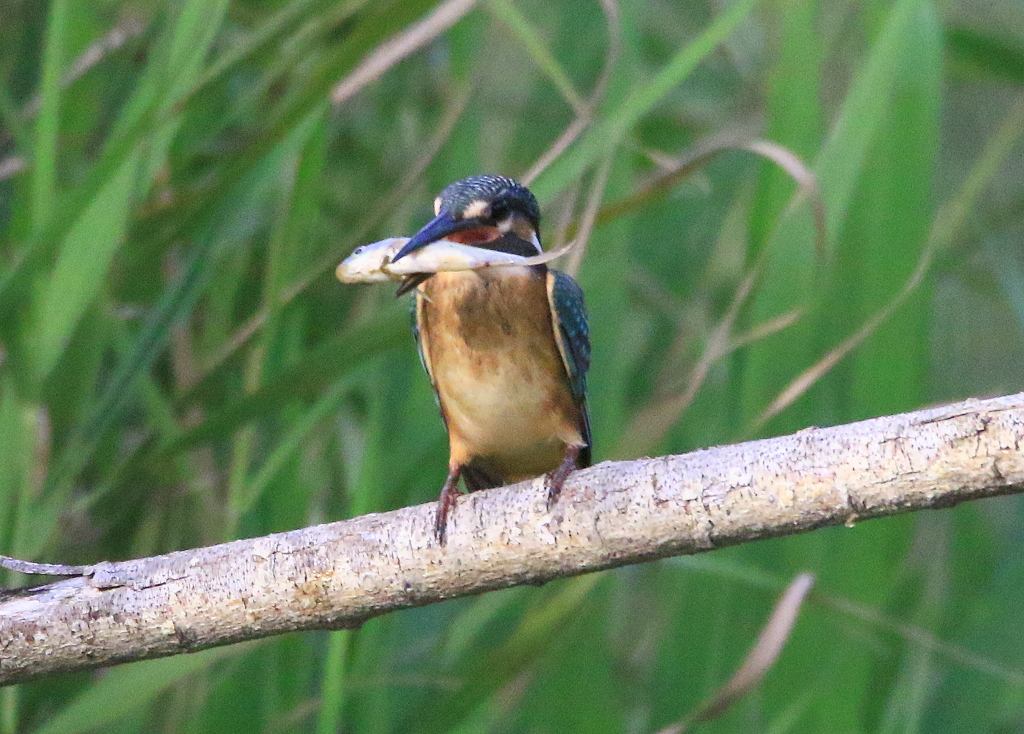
[341,574]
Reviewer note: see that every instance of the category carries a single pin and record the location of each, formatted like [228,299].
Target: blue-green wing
[421,346]
[573,337]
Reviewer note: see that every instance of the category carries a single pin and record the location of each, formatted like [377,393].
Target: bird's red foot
[446,503]
[555,479]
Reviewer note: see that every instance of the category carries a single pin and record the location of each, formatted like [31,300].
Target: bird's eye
[358,250]
[498,211]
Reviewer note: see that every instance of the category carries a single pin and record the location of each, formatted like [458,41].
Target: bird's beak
[436,229]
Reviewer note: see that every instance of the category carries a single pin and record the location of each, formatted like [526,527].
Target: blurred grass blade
[806,181]
[129,689]
[796,275]
[605,136]
[230,228]
[759,660]
[389,53]
[886,233]
[80,272]
[47,127]
[1005,257]
[585,114]
[865,106]
[491,672]
[998,57]
[954,214]
[766,650]
[332,696]
[10,118]
[333,358]
[272,30]
[291,444]
[508,14]
[948,221]
[651,424]
[92,239]
[16,457]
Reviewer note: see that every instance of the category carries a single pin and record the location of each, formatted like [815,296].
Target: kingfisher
[506,349]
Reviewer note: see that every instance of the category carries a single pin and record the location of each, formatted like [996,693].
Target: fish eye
[358,250]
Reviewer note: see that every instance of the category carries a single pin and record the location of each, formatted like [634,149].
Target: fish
[372,263]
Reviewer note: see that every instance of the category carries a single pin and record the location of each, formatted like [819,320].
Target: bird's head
[493,212]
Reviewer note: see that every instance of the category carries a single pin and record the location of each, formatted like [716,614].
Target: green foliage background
[178,366]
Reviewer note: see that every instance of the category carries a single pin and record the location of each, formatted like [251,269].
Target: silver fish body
[373,263]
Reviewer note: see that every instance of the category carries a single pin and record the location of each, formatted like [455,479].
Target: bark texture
[339,575]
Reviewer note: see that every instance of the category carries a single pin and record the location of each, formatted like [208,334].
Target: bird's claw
[445,504]
[554,480]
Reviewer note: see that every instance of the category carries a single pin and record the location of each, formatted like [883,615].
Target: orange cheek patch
[475,236]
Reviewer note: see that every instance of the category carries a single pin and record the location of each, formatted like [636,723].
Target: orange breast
[489,344]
